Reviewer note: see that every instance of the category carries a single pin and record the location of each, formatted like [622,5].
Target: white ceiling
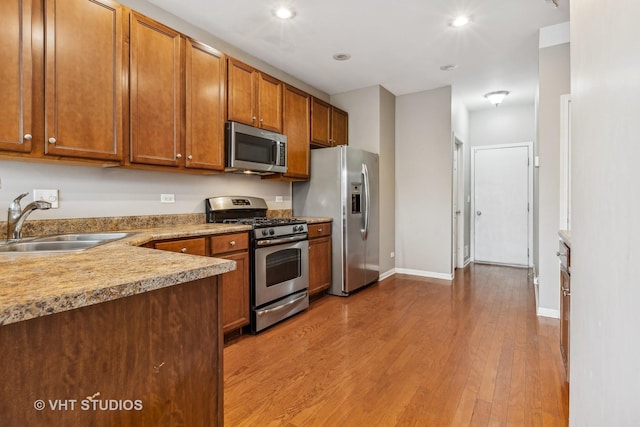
[397,44]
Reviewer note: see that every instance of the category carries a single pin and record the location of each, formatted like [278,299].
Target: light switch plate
[167,198]
[50,196]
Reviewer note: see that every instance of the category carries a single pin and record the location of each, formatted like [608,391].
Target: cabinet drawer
[229,243]
[187,246]
[319,230]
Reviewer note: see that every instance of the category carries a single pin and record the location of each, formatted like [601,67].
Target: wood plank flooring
[407,351]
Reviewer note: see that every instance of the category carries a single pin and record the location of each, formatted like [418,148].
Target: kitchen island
[115,335]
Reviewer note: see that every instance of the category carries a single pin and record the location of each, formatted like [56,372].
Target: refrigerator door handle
[367,198]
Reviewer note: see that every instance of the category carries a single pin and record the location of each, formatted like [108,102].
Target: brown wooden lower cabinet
[235,284]
[319,258]
[195,246]
[151,359]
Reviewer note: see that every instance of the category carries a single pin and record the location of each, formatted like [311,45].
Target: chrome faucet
[17,216]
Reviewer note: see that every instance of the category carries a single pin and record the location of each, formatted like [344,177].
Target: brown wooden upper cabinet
[156,52]
[16,133]
[253,98]
[205,106]
[296,126]
[329,124]
[84,79]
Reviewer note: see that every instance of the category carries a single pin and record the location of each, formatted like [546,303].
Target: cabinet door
[339,127]
[320,122]
[235,293]
[83,78]
[242,93]
[15,72]
[319,265]
[269,103]
[296,126]
[155,93]
[205,106]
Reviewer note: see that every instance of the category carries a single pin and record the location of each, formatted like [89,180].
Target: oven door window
[282,266]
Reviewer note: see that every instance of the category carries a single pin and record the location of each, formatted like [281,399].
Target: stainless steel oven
[281,279]
[279,258]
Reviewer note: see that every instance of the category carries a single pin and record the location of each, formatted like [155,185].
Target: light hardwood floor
[407,351]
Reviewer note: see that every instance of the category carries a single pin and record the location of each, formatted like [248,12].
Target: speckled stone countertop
[33,285]
[315,220]
[565,235]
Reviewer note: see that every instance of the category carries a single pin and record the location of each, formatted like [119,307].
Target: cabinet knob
[52,140]
[28,137]
[178,156]
[183,250]
[232,243]
[319,230]
[253,119]
[261,120]
[190,157]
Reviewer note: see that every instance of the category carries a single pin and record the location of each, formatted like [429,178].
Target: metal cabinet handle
[178,156]
[232,243]
[253,119]
[28,137]
[183,250]
[566,292]
[52,140]
[261,120]
[319,230]
[190,157]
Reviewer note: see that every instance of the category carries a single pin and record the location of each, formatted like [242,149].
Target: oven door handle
[271,242]
[280,307]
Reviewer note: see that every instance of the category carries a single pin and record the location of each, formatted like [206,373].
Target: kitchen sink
[61,242]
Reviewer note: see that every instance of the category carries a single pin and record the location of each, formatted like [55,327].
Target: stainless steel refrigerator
[344,186]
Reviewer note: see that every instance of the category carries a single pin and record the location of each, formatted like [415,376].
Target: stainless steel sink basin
[102,237]
[61,242]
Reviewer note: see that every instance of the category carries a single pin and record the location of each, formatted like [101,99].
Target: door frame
[475,149]
[457,233]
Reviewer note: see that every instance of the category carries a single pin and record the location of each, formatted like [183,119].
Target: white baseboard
[548,312]
[466,262]
[421,273]
[386,274]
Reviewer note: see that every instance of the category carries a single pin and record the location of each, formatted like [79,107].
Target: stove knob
[297,228]
[272,231]
[264,232]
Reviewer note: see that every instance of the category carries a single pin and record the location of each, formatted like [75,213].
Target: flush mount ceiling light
[284,12]
[496,97]
[341,56]
[448,67]
[460,21]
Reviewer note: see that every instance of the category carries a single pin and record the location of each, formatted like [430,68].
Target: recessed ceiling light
[341,56]
[449,67]
[284,13]
[460,21]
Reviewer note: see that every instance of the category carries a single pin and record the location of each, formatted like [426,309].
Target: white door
[501,204]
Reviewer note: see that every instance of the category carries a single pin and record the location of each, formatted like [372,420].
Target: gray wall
[423,182]
[460,123]
[605,83]
[553,81]
[372,128]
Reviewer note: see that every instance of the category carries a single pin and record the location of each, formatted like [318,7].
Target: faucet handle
[15,205]
[20,197]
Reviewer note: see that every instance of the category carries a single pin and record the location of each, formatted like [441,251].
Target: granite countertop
[36,285]
[565,235]
[315,220]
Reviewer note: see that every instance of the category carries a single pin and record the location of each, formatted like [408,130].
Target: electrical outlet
[167,198]
[279,199]
[50,196]
[393,254]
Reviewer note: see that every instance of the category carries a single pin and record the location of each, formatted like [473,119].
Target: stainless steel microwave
[250,149]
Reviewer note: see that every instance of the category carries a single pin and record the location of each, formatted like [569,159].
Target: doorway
[457,255]
[502,204]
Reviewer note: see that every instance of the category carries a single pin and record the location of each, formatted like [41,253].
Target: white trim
[458,246]
[565,162]
[554,35]
[548,312]
[421,273]
[529,145]
[386,274]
